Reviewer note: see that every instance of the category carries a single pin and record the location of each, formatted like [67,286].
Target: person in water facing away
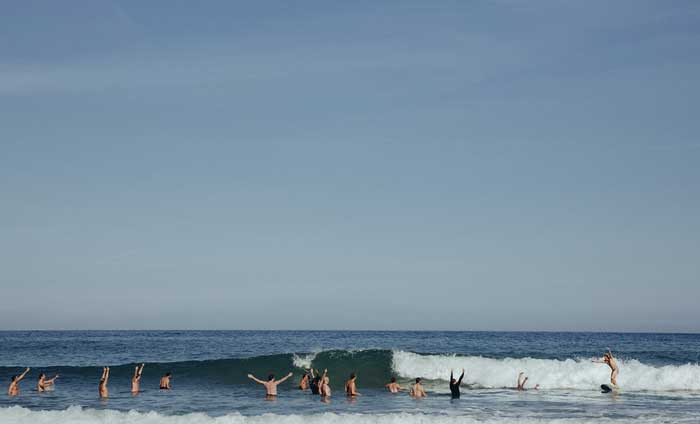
[454,384]
[609,359]
[315,384]
[165,381]
[351,387]
[103,383]
[136,379]
[417,390]
[13,389]
[393,386]
[271,384]
[43,384]
[325,388]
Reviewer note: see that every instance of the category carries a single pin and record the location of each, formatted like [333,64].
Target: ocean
[659,376]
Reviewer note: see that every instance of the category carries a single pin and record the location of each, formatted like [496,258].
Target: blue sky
[350,165]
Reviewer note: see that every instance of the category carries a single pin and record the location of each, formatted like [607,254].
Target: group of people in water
[318,383]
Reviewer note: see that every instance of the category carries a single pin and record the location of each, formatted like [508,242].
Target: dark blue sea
[659,377]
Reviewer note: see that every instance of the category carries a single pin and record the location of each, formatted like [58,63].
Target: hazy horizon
[459,165]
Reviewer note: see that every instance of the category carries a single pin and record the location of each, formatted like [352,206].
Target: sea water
[659,376]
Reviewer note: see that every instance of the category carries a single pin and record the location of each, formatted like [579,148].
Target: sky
[453,165]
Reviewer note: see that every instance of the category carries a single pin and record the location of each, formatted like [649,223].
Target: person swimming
[43,384]
[393,386]
[417,390]
[136,379]
[351,387]
[271,384]
[102,388]
[454,384]
[165,381]
[13,389]
[520,384]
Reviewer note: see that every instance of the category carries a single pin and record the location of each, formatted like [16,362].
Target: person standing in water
[304,382]
[417,390]
[454,384]
[271,384]
[43,384]
[325,388]
[136,379]
[13,389]
[165,381]
[102,388]
[315,383]
[393,386]
[351,387]
[609,359]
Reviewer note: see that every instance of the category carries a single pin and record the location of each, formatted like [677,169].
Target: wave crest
[548,373]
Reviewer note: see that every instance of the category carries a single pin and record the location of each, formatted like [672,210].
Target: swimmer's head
[167,374]
[14,377]
[418,379]
[393,379]
[270,377]
[352,375]
[42,375]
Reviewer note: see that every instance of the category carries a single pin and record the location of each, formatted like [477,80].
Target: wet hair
[418,379]
[393,379]
[41,374]
[352,375]
[167,374]
[14,377]
[270,377]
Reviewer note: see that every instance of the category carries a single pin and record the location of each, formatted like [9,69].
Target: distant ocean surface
[659,376]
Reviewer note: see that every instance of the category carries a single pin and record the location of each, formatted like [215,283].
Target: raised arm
[252,377]
[461,377]
[312,372]
[282,380]
[21,376]
[451,376]
[141,369]
[52,380]
[106,374]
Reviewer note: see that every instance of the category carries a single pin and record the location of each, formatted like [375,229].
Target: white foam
[303,361]
[78,415]
[548,373]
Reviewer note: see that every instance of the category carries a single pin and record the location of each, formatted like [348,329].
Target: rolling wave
[376,367]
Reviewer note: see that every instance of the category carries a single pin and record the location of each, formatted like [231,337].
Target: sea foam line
[548,373]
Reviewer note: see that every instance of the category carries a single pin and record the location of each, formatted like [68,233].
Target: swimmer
[393,386]
[43,384]
[325,389]
[165,381]
[271,384]
[417,390]
[13,389]
[304,382]
[136,379]
[104,393]
[521,381]
[315,383]
[454,384]
[351,387]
